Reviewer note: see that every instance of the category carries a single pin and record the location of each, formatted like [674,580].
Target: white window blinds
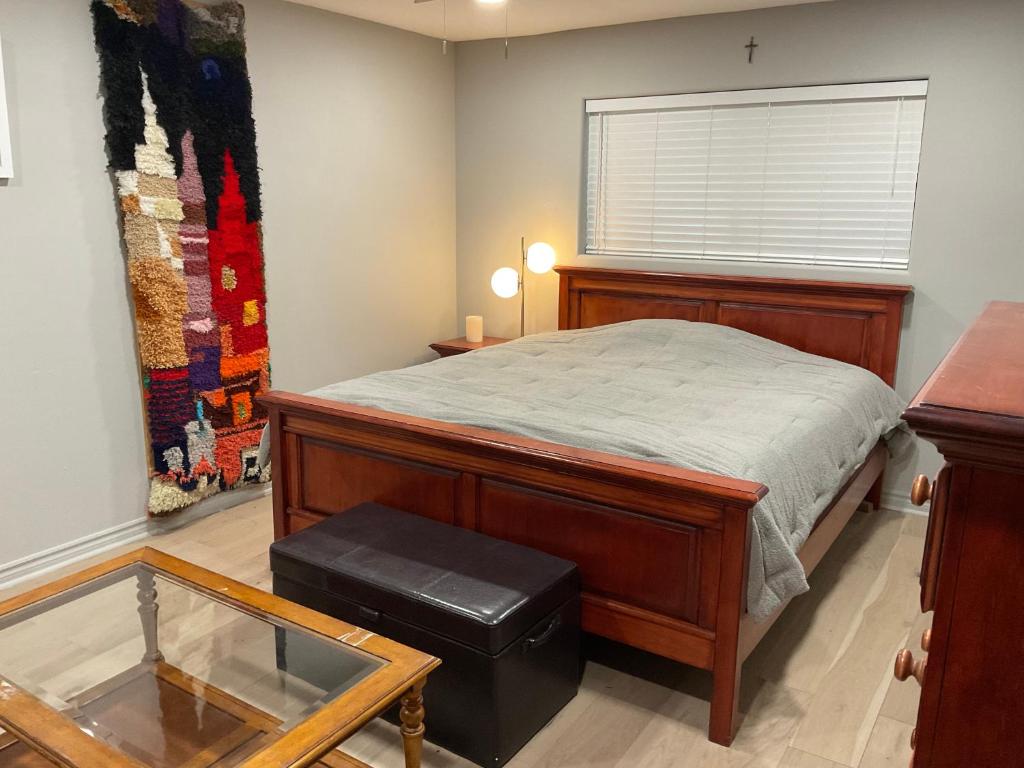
[816,175]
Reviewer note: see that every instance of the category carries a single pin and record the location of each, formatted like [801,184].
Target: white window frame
[896,90]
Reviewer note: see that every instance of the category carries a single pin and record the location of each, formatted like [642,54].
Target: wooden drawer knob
[926,640]
[907,667]
[921,491]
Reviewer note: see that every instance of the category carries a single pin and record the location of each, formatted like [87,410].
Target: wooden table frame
[403,677]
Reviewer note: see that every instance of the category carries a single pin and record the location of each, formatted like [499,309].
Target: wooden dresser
[971,665]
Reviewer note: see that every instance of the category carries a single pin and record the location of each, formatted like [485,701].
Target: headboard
[857,323]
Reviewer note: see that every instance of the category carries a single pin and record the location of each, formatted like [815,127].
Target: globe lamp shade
[540,258]
[505,282]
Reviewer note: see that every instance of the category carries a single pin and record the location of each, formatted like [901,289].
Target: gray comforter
[694,395]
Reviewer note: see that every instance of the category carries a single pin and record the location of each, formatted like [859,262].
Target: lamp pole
[522,288]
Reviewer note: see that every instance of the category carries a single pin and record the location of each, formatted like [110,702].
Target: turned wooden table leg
[412,724]
[147,612]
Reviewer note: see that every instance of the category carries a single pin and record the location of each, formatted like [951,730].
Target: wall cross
[750,47]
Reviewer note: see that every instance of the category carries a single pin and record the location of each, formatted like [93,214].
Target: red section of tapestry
[235,250]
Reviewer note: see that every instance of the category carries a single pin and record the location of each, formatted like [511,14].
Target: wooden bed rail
[373,428]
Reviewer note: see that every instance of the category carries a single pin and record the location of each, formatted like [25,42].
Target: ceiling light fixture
[444,19]
[444,23]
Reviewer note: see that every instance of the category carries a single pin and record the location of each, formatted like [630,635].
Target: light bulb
[540,258]
[505,282]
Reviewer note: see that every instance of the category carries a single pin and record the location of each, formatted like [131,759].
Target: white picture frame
[6,157]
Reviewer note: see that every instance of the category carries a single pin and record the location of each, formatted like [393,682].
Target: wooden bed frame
[663,551]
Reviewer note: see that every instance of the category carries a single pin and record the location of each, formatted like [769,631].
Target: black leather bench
[504,619]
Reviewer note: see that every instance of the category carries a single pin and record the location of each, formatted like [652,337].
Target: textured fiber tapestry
[182,146]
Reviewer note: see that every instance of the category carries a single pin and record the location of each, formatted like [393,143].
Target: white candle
[474,328]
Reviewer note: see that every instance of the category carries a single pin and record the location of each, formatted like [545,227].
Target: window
[814,175]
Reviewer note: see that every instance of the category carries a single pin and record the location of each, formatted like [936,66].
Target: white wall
[519,139]
[357,145]
[356,137]
[359,243]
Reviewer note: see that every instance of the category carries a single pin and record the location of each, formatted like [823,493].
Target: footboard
[662,550]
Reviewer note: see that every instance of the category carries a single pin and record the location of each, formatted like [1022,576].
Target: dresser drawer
[969,715]
[938,493]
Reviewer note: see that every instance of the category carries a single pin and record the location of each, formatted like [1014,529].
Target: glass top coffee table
[147,660]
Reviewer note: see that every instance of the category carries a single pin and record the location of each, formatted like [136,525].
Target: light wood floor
[817,693]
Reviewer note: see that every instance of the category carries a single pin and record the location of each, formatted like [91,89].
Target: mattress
[694,395]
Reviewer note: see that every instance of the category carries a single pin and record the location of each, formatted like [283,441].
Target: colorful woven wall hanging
[182,146]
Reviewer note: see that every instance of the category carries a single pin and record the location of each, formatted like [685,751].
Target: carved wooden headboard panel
[857,323]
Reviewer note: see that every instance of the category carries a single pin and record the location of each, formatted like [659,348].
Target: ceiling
[476,20]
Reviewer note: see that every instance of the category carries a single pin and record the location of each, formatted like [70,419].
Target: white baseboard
[899,502]
[71,552]
[63,554]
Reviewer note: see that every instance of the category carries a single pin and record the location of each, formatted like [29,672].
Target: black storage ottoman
[504,619]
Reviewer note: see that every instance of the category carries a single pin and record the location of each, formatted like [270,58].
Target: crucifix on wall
[750,50]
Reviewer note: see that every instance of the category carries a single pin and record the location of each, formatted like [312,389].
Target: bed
[664,550]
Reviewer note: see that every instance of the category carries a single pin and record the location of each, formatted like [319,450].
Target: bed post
[277,467]
[732,597]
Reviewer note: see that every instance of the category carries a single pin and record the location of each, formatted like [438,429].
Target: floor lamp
[508,281]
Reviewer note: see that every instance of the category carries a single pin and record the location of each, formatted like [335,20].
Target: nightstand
[458,346]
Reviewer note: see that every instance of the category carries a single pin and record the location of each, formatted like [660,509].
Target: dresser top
[984,372]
